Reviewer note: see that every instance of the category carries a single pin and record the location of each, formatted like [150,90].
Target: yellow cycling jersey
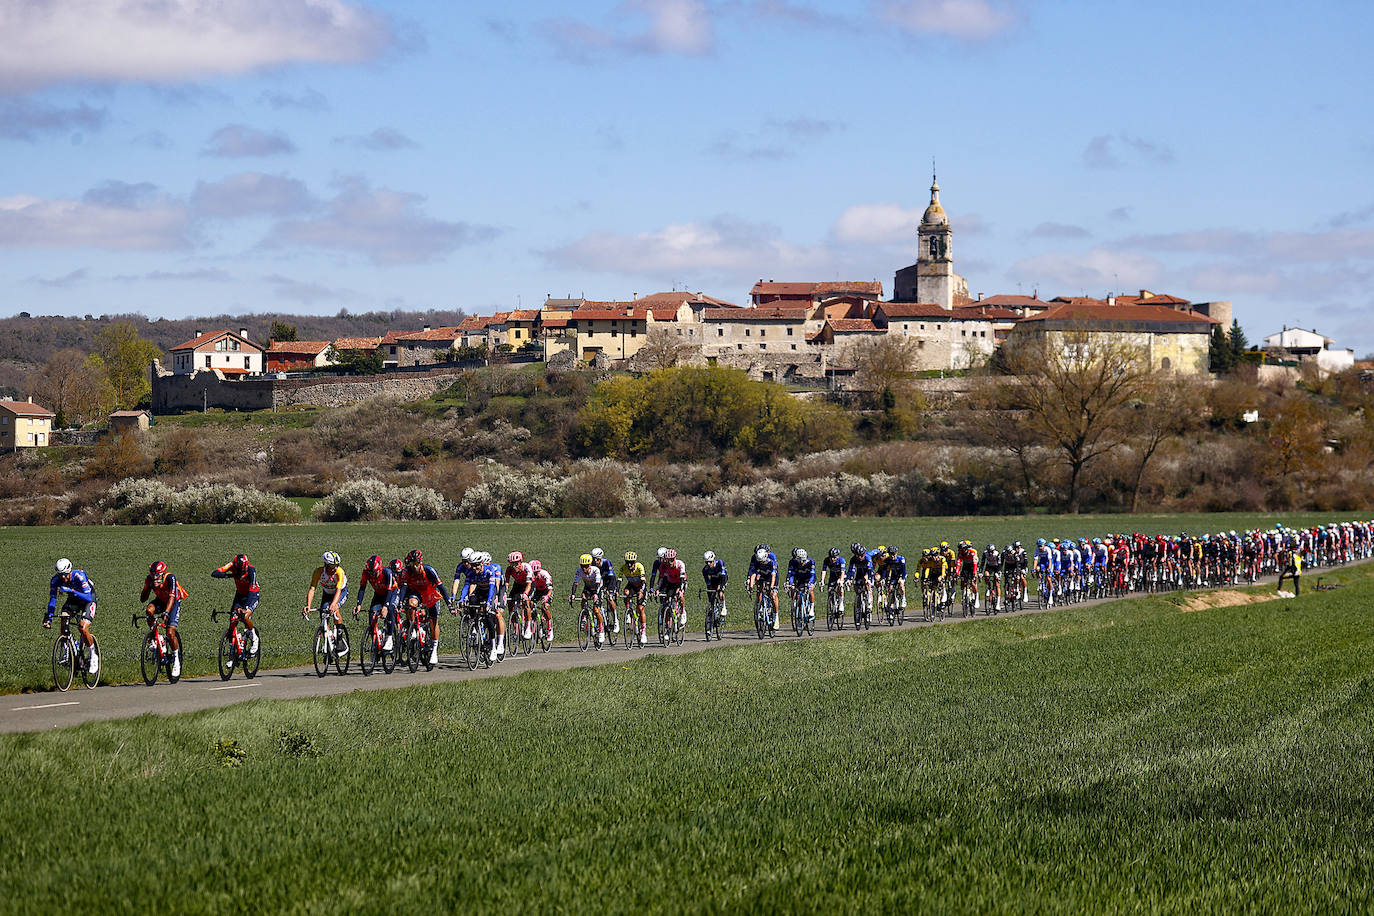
[330,583]
[931,567]
[630,571]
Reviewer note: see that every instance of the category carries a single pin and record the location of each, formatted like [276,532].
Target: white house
[1309,347]
[231,353]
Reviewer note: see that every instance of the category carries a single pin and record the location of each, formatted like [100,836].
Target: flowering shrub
[603,489]
[511,493]
[139,501]
[369,500]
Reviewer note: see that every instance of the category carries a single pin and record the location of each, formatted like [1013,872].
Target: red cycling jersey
[518,575]
[543,582]
[968,564]
[674,573]
[423,582]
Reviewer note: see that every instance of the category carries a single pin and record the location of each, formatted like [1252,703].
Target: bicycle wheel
[148,659]
[63,662]
[249,660]
[584,630]
[226,655]
[321,653]
[542,632]
[472,645]
[679,631]
[608,623]
[798,616]
[368,653]
[87,678]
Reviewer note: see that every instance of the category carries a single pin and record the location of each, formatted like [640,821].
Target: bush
[603,489]
[371,500]
[152,502]
[510,493]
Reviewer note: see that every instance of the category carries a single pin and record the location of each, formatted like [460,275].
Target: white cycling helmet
[597,553]
[709,556]
[63,566]
[486,558]
[467,554]
[331,558]
[760,554]
[801,553]
[661,552]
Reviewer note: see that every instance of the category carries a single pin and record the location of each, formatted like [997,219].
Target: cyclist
[79,603]
[653,571]
[332,582]
[992,576]
[541,594]
[245,578]
[801,574]
[632,571]
[165,591]
[968,569]
[589,576]
[931,572]
[860,572]
[386,593]
[763,576]
[1044,567]
[894,571]
[609,585]
[481,582]
[517,576]
[672,582]
[715,575]
[832,576]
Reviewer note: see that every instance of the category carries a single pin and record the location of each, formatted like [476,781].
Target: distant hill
[26,342]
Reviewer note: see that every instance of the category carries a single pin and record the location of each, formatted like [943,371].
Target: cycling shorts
[78,609]
[173,615]
[248,602]
[327,598]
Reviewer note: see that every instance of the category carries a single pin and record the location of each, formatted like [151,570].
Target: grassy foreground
[1123,758]
[117,559]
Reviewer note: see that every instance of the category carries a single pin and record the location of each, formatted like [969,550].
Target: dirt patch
[1223,598]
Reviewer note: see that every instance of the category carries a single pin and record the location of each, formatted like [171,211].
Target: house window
[763,332]
[789,332]
[248,362]
[923,327]
[763,346]
[1165,364]
[794,346]
[739,346]
[207,360]
[234,345]
[963,333]
[720,332]
[393,351]
[920,344]
[906,327]
[747,332]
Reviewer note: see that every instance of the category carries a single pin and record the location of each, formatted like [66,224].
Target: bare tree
[661,350]
[1169,406]
[1077,393]
[885,366]
[75,386]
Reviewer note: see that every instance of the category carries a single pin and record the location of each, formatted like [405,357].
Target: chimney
[197,333]
[426,328]
[980,297]
[243,332]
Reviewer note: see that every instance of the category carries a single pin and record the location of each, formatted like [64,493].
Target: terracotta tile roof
[585,314]
[131,413]
[812,289]
[914,310]
[1010,301]
[474,323]
[673,300]
[1148,298]
[209,336]
[986,312]
[762,313]
[25,409]
[1092,310]
[308,347]
[357,343]
[524,315]
[392,336]
[435,335]
[853,326]
[555,323]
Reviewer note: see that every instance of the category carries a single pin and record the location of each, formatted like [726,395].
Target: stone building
[1169,339]
[932,278]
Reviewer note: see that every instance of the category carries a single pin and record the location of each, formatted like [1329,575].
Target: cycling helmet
[799,553]
[760,554]
[63,566]
[158,568]
[584,560]
[415,557]
[1097,542]
[661,552]
[240,562]
[374,565]
[631,557]
[709,556]
[992,547]
[486,558]
[882,549]
[944,544]
[467,554]
[856,548]
[1040,542]
[834,552]
[396,565]
[535,567]
[515,557]
[795,551]
[597,553]
[1016,545]
[330,558]
[670,555]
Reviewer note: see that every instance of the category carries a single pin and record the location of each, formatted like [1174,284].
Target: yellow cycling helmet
[585,560]
[631,557]
[944,544]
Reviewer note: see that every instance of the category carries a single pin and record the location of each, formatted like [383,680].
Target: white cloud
[682,27]
[877,224]
[251,194]
[389,227]
[103,220]
[23,119]
[167,41]
[969,20]
[383,139]
[1092,272]
[236,141]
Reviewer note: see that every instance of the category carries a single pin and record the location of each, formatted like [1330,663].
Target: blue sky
[190,157]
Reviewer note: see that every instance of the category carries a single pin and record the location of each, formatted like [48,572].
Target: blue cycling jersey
[860,568]
[833,567]
[895,570]
[77,588]
[481,578]
[715,574]
[801,572]
[767,567]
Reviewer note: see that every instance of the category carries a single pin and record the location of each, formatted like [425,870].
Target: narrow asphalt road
[43,711]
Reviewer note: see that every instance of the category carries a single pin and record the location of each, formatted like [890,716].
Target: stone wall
[176,393]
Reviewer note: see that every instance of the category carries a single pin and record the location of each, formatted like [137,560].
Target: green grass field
[117,559]
[1129,757]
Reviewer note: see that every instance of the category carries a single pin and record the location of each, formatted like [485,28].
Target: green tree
[1220,356]
[127,359]
[282,331]
[356,362]
[1238,342]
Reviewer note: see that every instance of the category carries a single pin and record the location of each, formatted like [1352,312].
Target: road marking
[235,686]
[46,706]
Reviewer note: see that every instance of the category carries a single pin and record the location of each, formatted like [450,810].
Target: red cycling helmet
[374,565]
[157,569]
[415,558]
[240,562]
[397,566]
